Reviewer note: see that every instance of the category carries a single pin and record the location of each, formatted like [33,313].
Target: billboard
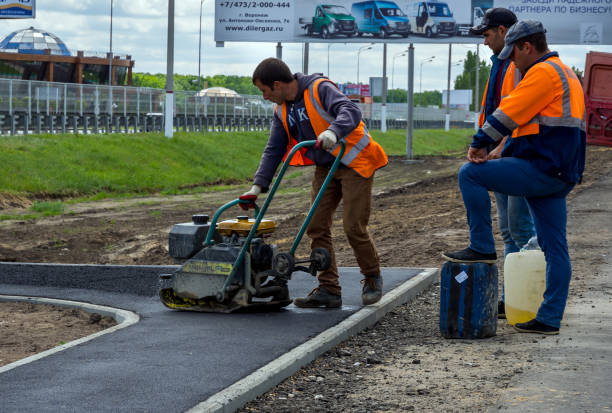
[459,98]
[17,9]
[403,21]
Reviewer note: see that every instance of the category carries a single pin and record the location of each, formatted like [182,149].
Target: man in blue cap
[542,162]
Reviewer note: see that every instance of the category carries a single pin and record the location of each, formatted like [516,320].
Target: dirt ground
[27,328]
[400,364]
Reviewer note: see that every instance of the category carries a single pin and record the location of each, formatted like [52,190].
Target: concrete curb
[263,379]
[123,317]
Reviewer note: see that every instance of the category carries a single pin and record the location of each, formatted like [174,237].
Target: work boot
[319,297]
[372,289]
[501,310]
[534,326]
[469,256]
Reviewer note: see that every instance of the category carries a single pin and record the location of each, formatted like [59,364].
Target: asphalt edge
[257,383]
[123,317]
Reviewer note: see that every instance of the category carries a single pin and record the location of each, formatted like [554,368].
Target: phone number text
[253,4]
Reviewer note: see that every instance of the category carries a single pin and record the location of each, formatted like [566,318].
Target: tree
[578,72]
[467,79]
[241,84]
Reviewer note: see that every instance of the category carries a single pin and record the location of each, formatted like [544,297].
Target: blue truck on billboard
[380,18]
[17,9]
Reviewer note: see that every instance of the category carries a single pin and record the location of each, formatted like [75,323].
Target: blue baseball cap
[519,30]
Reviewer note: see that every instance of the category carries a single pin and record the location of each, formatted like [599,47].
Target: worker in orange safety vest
[543,162]
[310,107]
[513,216]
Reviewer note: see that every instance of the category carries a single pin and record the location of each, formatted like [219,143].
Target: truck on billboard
[17,9]
[380,18]
[329,20]
[401,21]
[431,18]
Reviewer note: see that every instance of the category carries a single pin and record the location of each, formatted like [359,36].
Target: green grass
[48,208]
[425,142]
[93,167]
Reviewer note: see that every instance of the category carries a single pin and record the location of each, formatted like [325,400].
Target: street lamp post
[110,59]
[200,46]
[362,48]
[110,65]
[393,64]
[429,59]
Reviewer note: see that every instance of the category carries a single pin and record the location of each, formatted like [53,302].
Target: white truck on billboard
[449,17]
[467,17]
[430,18]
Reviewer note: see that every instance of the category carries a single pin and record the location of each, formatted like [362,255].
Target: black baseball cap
[495,17]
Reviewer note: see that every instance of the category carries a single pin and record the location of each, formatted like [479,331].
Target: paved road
[168,362]
[572,372]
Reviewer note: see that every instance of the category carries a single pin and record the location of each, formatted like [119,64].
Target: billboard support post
[169,108]
[279,51]
[383,98]
[447,117]
[305,62]
[410,90]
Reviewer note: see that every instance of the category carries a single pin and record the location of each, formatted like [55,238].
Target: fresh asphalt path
[169,361]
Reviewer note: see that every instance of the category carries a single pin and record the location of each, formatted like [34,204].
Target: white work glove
[249,197]
[255,190]
[327,139]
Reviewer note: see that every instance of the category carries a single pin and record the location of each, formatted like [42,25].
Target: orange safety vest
[545,114]
[362,153]
[511,80]
[532,104]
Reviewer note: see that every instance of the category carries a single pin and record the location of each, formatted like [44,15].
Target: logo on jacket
[301,114]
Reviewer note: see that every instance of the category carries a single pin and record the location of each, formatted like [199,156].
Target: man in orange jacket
[311,107]
[543,161]
[513,216]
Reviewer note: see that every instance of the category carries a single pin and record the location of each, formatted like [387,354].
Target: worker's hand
[248,198]
[327,140]
[477,155]
[495,153]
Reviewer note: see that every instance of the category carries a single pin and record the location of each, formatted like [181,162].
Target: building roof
[33,41]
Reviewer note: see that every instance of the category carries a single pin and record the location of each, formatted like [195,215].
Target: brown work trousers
[356,192]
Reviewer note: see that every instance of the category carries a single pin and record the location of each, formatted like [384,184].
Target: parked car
[381,18]
[330,20]
[431,18]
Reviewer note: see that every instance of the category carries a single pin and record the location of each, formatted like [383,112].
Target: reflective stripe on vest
[363,154]
[558,113]
[352,152]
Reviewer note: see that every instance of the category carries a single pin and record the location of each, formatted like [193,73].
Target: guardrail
[52,107]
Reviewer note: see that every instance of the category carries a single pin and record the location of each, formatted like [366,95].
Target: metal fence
[52,107]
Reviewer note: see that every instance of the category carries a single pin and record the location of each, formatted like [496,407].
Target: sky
[140,30]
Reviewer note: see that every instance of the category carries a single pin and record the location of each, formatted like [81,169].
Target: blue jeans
[546,198]
[515,222]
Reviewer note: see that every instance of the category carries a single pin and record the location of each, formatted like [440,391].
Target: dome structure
[218,92]
[33,41]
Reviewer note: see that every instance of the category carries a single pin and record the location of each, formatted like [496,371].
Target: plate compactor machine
[227,266]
